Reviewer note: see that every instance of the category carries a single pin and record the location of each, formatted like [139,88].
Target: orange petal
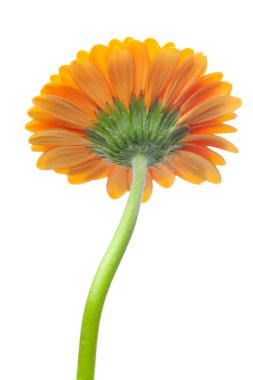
[184,170]
[148,187]
[99,56]
[198,167]
[62,171]
[56,137]
[92,82]
[152,46]
[72,93]
[128,40]
[185,54]
[40,148]
[204,94]
[82,54]
[115,44]
[205,152]
[34,126]
[211,109]
[218,120]
[66,76]
[49,121]
[210,129]
[141,63]
[121,73]
[163,176]
[197,85]
[187,72]
[210,140]
[90,163]
[160,71]
[209,171]
[117,182]
[62,109]
[63,156]
[169,45]
[56,78]
[98,171]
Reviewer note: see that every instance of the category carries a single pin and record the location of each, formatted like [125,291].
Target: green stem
[106,271]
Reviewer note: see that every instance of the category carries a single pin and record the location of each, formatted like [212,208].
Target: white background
[181,304]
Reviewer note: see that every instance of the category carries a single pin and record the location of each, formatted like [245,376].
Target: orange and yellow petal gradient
[69,104]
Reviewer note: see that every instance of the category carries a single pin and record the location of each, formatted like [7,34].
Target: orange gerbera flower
[130,97]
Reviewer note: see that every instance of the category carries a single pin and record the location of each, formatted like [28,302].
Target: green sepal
[119,134]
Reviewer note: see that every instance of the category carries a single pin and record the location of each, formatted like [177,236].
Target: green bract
[120,134]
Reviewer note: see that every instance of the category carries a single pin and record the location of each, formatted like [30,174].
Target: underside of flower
[120,134]
[129,98]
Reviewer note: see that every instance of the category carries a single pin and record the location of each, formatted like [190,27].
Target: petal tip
[40,165]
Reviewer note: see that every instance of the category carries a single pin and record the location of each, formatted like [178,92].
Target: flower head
[128,98]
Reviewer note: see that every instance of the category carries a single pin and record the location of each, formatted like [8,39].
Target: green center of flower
[119,134]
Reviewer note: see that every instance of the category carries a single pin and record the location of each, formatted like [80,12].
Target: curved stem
[106,271]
